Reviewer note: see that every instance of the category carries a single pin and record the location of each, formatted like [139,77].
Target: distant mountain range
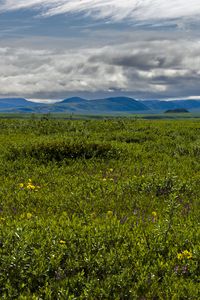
[113,105]
[161,105]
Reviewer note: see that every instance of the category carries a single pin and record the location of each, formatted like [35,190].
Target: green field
[99,209]
[67,116]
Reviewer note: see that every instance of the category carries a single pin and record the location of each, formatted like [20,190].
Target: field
[99,209]
[64,116]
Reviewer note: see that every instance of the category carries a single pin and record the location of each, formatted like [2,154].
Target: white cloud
[154,62]
[166,68]
[137,10]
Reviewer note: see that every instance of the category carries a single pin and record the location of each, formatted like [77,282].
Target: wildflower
[179,256]
[62,242]
[184,255]
[104,179]
[154,216]
[187,254]
[30,186]
[111,170]
[185,269]
[29,216]
[176,269]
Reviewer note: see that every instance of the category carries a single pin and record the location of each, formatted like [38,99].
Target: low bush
[61,150]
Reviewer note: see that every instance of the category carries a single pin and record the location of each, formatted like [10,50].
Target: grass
[99,209]
[154,115]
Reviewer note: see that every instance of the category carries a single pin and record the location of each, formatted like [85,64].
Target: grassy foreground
[99,209]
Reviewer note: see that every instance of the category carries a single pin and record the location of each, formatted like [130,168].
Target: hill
[100,106]
[177,110]
[17,105]
[162,106]
[15,102]
[112,105]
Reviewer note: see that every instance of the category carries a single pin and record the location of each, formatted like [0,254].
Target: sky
[54,49]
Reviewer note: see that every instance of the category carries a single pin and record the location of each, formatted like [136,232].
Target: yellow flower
[29,216]
[187,254]
[62,242]
[184,255]
[154,214]
[30,186]
[111,170]
[179,256]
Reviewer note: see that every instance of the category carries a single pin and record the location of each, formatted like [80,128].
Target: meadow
[99,209]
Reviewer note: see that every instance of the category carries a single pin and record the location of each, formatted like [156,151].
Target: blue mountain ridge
[97,106]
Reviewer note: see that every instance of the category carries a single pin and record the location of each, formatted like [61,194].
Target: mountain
[98,106]
[72,105]
[189,104]
[112,105]
[74,100]
[161,105]
[122,104]
[15,102]
[17,105]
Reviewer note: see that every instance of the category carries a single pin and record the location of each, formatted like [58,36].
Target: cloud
[143,69]
[54,58]
[116,10]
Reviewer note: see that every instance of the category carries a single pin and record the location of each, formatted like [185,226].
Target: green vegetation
[99,209]
[177,110]
[63,116]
